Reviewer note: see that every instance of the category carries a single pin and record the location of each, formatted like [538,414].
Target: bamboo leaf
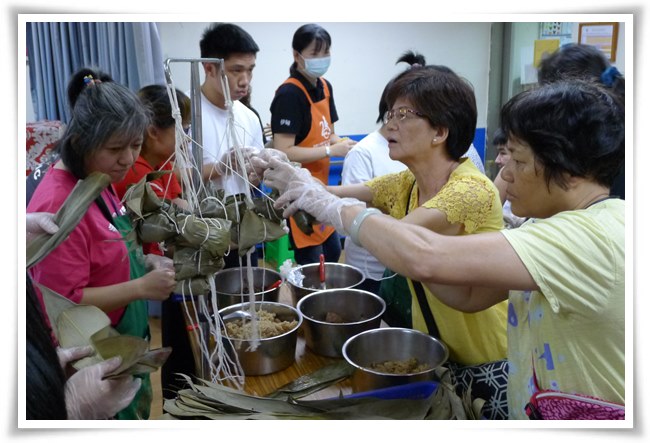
[314,382]
[209,400]
[68,216]
[77,324]
[104,333]
[55,304]
[130,348]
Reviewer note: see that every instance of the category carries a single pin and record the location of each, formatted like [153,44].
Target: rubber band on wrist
[358,220]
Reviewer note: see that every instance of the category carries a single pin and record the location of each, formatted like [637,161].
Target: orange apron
[319,135]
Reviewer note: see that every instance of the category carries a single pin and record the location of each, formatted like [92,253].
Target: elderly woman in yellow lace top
[431,124]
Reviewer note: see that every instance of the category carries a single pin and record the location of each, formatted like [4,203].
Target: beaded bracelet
[358,220]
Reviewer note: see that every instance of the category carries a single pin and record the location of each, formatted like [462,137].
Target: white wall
[363,60]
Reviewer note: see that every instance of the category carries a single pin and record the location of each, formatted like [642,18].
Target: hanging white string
[209,326]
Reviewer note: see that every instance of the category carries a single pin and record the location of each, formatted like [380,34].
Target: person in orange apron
[302,120]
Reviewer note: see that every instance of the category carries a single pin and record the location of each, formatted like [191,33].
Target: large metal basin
[337,276]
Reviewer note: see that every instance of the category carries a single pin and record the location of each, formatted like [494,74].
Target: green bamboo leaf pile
[314,382]
[205,400]
[83,325]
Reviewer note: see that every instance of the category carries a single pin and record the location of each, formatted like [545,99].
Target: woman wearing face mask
[302,120]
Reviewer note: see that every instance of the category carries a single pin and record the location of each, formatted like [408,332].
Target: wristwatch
[327,151]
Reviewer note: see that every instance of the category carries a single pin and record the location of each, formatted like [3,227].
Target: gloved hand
[234,160]
[68,355]
[39,223]
[260,163]
[312,197]
[88,397]
[279,174]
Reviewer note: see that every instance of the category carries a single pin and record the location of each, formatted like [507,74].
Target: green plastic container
[277,251]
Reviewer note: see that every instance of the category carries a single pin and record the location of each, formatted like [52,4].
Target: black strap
[426,310]
[101,203]
[104,209]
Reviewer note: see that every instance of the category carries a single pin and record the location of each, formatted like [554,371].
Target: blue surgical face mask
[317,67]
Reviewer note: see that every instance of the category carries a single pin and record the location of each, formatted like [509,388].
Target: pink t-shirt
[93,255]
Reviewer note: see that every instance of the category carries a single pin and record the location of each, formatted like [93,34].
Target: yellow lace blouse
[471,199]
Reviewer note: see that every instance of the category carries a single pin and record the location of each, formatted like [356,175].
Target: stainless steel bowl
[232,285]
[273,354]
[391,344]
[332,316]
[337,276]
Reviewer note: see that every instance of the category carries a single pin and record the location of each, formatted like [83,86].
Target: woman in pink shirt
[95,265]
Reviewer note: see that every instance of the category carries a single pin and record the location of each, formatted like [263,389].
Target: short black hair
[220,40]
[410,57]
[575,60]
[574,127]
[446,99]
[308,33]
[156,98]
[500,138]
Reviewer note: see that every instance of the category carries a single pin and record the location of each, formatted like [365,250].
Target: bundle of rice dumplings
[190,262]
[156,227]
[211,235]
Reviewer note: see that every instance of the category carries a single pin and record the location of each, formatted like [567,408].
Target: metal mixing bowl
[232,285]
[273,354]
[391,344]
[337,276]
[332,316]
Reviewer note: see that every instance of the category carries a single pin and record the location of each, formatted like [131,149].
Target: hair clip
[609,75]
[90,81]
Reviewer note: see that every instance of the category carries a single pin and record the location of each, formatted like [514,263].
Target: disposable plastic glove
[39,223]
[312,197]
[88,397]
[233,160]
[279,174]
[260,163]
[68,355]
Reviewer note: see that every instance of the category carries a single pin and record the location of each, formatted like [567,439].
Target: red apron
[319,135]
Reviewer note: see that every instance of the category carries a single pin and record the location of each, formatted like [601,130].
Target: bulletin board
[602,35]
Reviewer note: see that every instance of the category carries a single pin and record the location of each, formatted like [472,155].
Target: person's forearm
[305,154]
[358,191]
[110,298]
[404,248]
[422,255]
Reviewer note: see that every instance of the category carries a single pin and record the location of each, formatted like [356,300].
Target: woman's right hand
[342,148]
[158,284]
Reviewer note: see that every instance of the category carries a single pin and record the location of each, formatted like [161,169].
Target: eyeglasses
[401,114]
